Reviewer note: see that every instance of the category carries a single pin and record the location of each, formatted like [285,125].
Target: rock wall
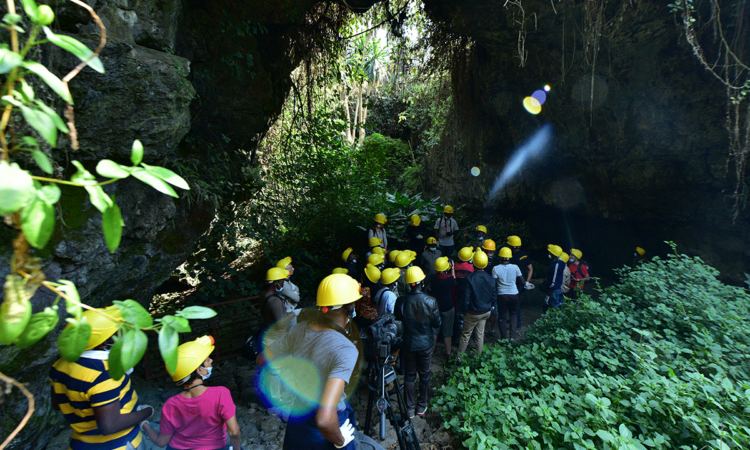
[643,158]
[197,82]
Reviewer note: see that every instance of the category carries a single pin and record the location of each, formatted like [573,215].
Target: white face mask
[208,375]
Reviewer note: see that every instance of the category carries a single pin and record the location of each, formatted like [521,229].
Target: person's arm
[277,308]
[465,299]
[583,271]
[161,440]
[291,291]
[390,304]
[110,421]
[235,435]
[531,272]
[55,404]
[327,418]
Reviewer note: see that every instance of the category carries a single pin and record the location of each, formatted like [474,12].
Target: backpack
[254,344]
[578,269]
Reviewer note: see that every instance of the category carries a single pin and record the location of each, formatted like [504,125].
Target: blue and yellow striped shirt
[84,385]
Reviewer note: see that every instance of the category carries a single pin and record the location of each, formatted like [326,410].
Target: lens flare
[530,149]
[532,105]
[291,385]
[475,171]
[547,88]
[539,96]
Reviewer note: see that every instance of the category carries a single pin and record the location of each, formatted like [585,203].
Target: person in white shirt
[445,228]
[508,279]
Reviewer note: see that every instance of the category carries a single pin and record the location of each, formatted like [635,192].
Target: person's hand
[529,286]
[144,421]
[546,300]
[348,431]
[419,236]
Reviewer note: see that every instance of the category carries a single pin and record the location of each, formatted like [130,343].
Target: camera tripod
[380,375]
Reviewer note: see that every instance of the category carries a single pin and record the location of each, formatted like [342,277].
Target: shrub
[658,361]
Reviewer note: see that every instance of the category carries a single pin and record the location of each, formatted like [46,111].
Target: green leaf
[134,343]
[111,169]
[9,60]
[40,324]
[27,92]
[52,114]
[178,323]
[168,342]
[11,19]
[50,78]
[99,198]
[136,153]
[168,176]
[154,182]
[75,47]
[38,222]
[73,340]
[49,193]
[41,122]
[30,141]
[83,176]
[42,161]
[196,312]
[115,369]
[16,188]
[112,226]
[72,306]
[134,313]
[31,8]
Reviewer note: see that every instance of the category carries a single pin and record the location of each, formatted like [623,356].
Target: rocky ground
[263,430]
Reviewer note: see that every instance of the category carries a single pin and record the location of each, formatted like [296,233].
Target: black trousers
[508,304]
[417,362]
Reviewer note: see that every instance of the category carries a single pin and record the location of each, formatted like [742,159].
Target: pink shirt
[198,423]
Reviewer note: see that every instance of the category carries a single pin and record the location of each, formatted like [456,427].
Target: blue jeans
[556,300]
[303,433]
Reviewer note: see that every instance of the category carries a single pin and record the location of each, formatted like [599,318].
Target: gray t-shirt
[443,227]
[305,359]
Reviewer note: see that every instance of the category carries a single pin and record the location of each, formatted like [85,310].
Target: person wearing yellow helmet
[103,412]
[476,243]
[415,233]
[420,316]
[509,282]
[639,256]
[378,230]
[385,298]
[374,243]
[553,283]
[441,286]
[199,416]
[331,357]
[290,291]
[478,300]
[404,261]
[521,259]
[391,258]
[579,271]
[565,288]
[445,228]
[489,247]
[429,256]
[271,303]
[463,268]
[377,261]
[367,310]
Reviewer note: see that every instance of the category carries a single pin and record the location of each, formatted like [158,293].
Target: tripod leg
[370,399]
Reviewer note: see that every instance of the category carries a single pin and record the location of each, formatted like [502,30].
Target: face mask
[354,261]
[481,238]
[432,249]
[208,375]
[279,289]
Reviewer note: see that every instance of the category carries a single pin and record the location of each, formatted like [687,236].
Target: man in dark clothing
[477,302]
[416,233]
[553,283]
[271,304]
[463,269]
[521,259]
[443,285]
[420,315]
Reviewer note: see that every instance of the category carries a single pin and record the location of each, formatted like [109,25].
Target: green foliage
[659,361]
[386,157]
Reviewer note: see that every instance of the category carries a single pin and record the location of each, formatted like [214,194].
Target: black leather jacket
[480,294]
[420,314]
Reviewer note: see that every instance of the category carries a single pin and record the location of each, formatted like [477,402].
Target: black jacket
[420,314]
[481,292]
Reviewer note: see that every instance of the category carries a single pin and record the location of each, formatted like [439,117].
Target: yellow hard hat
[378,251]
[640,251]
[380,218]
[412,253]
[577,253]
[338,289]
[284,263]
[376,259]
[102,328]
[414,275]
[431,241]
[389,276]
[448,209]
[403,259]
[556,250]
[191,355]
[514,241]
[392,255]
[564,256]
[415,220]
[345,255]
[276,273]
[340,270]
[465,254]
[505,252]
[482,228]
[480,259]
[374,242]
[489,245]
[442,264]
[372,273]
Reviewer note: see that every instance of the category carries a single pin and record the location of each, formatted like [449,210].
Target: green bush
[659,361]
